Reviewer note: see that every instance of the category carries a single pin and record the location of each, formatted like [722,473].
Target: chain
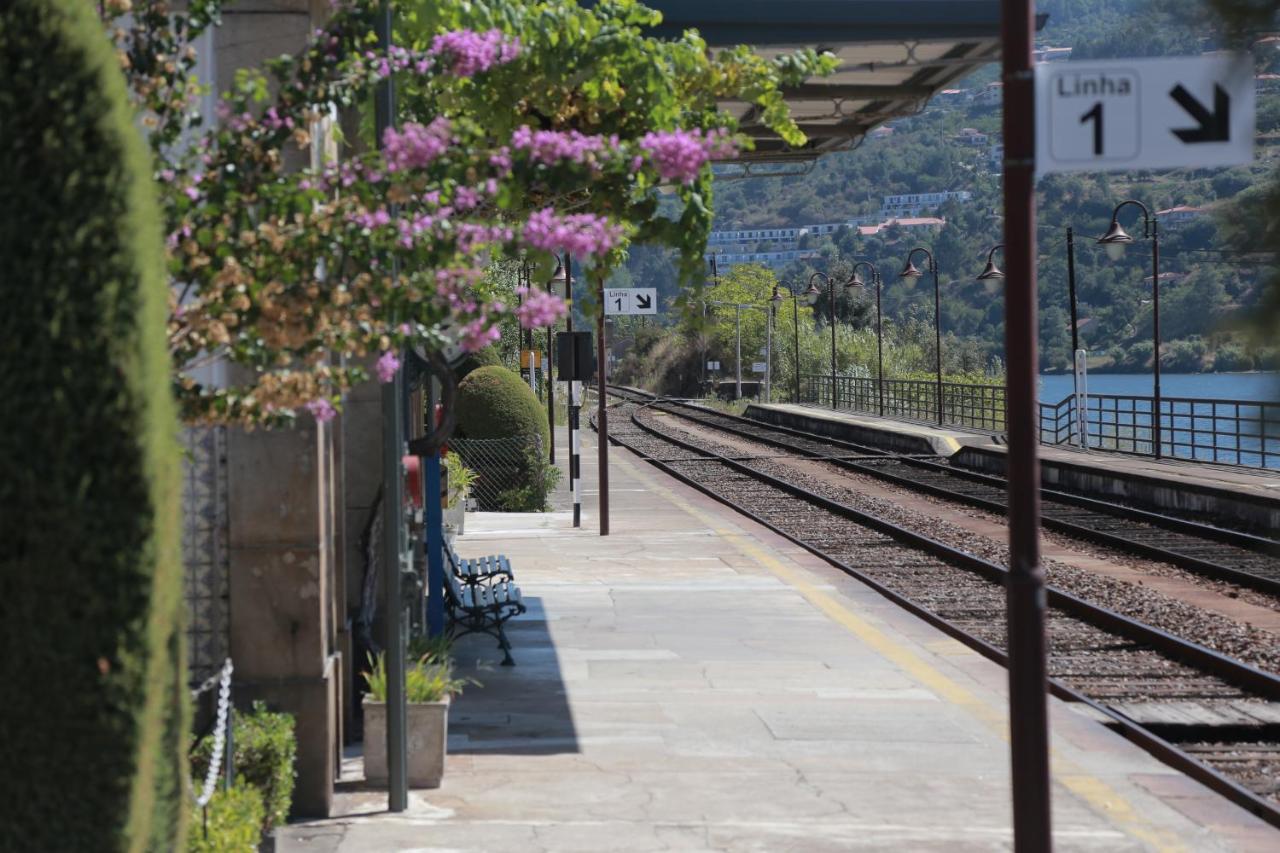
[219,732]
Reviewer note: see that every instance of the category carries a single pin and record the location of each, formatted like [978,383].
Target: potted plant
[429,686]
[459,479]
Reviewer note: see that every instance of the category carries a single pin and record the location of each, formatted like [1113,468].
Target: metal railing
[1231,432]
[506,469]
[974,406]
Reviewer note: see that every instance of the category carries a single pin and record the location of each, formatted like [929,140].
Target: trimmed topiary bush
[265,752]
[95,693]
[494,402]
[487,357]
[514,476]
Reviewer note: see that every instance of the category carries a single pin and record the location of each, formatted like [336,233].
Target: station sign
[713,365]
[631,300]
[758,367]
[1128,114]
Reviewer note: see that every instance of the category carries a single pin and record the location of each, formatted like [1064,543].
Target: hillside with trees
[1214,271]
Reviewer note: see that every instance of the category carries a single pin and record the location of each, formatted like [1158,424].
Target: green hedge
[232,822]
[90,566]
[472,361]
[494,402]
[265,749]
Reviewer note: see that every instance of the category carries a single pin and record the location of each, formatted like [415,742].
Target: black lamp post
[856,281]
[911,271]
[1114,241]
[812,295]
[795,321]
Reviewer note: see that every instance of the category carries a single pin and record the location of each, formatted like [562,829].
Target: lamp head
[811,295]
[991,271]
[1115,240]
[559,275]
[856,281]
[777,294]
[910,270]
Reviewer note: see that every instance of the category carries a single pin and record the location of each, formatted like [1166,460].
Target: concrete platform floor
[694,682]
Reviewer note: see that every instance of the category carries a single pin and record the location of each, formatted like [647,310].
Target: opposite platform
[695,682]
[1228,493]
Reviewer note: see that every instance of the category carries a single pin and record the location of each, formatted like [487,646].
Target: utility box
[567,345]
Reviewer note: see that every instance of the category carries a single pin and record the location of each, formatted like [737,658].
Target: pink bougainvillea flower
[679,155]
[417,145]
[579,233]
[466,53]
[539,308]
[387,367]
[322,410]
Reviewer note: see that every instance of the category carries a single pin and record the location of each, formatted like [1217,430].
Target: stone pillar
[285,507]
[282,548]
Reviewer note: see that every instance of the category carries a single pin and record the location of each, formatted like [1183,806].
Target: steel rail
[1190,562]
[1175,648]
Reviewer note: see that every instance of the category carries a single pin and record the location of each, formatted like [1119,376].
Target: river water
[1219,386]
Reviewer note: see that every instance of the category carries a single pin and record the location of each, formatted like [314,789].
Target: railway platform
[696,682]
[1234,495]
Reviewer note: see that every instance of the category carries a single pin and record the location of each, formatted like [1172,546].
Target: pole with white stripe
[575,444]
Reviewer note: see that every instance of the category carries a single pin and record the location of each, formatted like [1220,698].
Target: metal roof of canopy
[894,55]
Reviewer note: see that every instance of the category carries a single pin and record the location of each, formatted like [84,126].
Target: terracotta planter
[428,725]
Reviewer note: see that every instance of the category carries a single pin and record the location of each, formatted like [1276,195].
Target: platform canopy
[895,55]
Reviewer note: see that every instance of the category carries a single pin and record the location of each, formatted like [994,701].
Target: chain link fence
[512,474]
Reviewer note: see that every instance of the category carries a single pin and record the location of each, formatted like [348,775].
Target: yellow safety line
[1097,793]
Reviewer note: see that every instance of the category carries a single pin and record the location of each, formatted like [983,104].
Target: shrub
[494,402]
[265,747]
[90,572]
[538,477]
[232,821]
[472,361]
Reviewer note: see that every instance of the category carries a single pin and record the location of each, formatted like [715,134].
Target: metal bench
[478,569]
[481,603]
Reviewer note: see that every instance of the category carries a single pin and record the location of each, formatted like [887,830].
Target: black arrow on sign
[1214,126]
[643,300]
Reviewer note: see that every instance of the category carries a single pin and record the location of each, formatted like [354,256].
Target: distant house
[971,136]
[911,223]
[990,95]
[724,260]
[996,155]
[884,131]
[953,96]
[1167,277]
[1052,54]
[913,204]
[1176,217]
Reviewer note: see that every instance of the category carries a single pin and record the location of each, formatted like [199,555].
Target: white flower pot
[428,726]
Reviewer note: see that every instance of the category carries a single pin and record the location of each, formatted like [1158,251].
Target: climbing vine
[306,257]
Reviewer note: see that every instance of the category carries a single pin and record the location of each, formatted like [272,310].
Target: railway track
[1214,552]
[1213,717]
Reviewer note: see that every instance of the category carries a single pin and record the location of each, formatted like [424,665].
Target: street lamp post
[1071,291]
[911,271]
[795,321]
[812,295]
[856,281]
[1114,241]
